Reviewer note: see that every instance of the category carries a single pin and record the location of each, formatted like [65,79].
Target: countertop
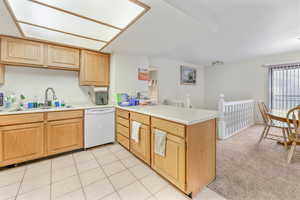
[181,115]
[176,114]
[35,110]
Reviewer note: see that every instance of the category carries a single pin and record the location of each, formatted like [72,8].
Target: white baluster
[221,123]
[234,116]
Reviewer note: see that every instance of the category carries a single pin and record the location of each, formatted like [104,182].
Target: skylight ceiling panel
[53,36]
[118,13]
[44,16]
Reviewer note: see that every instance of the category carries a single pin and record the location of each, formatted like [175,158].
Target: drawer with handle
[124,122]
[123,140]
[144,119]
[170,127]
[123,113]
[123,130]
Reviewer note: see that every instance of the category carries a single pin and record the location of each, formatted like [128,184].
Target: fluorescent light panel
[53,36]
[43,16]
[118,13]
[88,24]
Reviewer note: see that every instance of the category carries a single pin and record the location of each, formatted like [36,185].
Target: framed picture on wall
[143,74]
[187,75]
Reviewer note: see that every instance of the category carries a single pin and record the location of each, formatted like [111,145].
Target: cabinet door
[2,74]
[64,135]
[172,166]
[18,51]
[21,143]
[94,69]
[63,57]
[142,148]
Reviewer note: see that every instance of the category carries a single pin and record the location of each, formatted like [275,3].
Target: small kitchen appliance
[101,96]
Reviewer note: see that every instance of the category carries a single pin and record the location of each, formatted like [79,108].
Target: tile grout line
[51,178]
[74,175]
[137,179]
[106,176]
[19,188]
[77,172]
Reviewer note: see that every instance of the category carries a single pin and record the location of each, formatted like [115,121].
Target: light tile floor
[108,172]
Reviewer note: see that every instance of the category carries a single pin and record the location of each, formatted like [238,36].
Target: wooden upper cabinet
[94,69]
[62,57]
[18,51]
[2,74]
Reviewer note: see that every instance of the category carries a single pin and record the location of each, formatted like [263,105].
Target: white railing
[234,116]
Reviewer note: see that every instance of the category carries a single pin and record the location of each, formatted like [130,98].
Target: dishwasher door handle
[98,111]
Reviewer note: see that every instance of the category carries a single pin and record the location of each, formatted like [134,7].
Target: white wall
[33,82]
[243,80]
[124,78]
[124,74]
[169,81]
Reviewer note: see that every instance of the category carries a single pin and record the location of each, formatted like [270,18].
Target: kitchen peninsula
[190,148]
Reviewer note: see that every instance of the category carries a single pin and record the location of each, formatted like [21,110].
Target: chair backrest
[293,117]
[263,111]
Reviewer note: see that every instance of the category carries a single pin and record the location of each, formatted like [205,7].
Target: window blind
[284,86]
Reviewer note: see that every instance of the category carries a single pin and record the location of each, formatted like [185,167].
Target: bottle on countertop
[35,102]
[1,98]
[188,101]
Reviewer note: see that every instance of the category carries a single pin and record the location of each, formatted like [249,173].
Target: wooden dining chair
[269,122]
[293,117]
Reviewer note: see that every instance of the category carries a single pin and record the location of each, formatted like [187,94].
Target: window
[284,86]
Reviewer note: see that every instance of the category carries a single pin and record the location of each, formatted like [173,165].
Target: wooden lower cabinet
[142,148]
[64,135]
[21,142]
[124,141]
[122,128]
[25,137]
[190,152]
[172,166]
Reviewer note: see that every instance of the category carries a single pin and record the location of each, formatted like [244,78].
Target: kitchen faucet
[47,101]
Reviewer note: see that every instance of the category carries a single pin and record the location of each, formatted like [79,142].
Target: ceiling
[202,31]
[91,25]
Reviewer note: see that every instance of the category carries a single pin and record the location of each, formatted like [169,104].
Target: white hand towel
[135,129]
[160,142]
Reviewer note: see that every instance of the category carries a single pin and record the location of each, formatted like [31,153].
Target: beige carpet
[247,171]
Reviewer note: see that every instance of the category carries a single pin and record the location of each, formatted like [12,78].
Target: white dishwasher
[99,126]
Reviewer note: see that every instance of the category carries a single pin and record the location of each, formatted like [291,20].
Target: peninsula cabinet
[172,166]
[189,162]
[190,155]
[94,69]
[62,57]
[30,136]
[141,148]
[18,51]
[122,127]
